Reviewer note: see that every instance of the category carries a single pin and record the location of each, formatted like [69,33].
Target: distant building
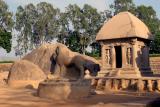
[124,41]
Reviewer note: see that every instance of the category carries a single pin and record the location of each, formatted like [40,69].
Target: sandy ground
[23,97]
[11,97]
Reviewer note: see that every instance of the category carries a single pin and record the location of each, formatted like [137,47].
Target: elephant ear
[57,50]
[55,54]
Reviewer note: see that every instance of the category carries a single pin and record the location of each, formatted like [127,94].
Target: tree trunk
[83,50]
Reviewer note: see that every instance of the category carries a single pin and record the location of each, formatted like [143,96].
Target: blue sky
[61,4]
[99,4]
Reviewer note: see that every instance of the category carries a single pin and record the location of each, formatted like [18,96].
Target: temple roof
[124,25]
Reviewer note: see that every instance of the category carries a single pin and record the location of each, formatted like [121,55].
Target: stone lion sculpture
[73,67]
[62,62]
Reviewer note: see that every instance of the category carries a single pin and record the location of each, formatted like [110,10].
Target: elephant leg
[62,71]
[81,72]
[57,71]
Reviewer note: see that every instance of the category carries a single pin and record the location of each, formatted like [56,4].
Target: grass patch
[6,62]
[154,55]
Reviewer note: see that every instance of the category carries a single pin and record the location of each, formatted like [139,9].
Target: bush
[96,55]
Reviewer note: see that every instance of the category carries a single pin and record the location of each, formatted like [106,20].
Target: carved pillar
[123,84]
[158,85]
[140,85]
[94,82]
[103,55]
[108,85]
[99,84]
[113,58]
[134,53]
[150,85]
[115,84]
[107,56]
[124,61]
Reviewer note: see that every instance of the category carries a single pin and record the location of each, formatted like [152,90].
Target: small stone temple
[124,41]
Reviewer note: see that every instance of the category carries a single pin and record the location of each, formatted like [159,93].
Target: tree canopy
[5,41]
[76,27]
[122,5]
[35,25]
[85,23]
[43,23]
[6,24]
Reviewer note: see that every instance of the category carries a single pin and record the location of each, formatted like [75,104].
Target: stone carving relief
[129,55]
[107,56]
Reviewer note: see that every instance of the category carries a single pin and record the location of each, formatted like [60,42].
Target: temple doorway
[118,51]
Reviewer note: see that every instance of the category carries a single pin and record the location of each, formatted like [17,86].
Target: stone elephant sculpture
[72,64]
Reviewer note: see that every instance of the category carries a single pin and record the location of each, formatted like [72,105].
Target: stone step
[114,73]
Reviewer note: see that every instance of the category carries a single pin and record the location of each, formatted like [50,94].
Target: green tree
[155,45]
[35,25]
[86,21]
[122,5]
[25,21]
[73,41]
[148,15]
[47,22]
[6,24]
[5,41]
[64,29]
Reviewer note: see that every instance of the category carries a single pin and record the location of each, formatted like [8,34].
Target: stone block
[64,89]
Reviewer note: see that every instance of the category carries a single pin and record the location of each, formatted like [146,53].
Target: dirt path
[10,97]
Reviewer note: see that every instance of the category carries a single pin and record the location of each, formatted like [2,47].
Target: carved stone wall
[146,84]
[135,55]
